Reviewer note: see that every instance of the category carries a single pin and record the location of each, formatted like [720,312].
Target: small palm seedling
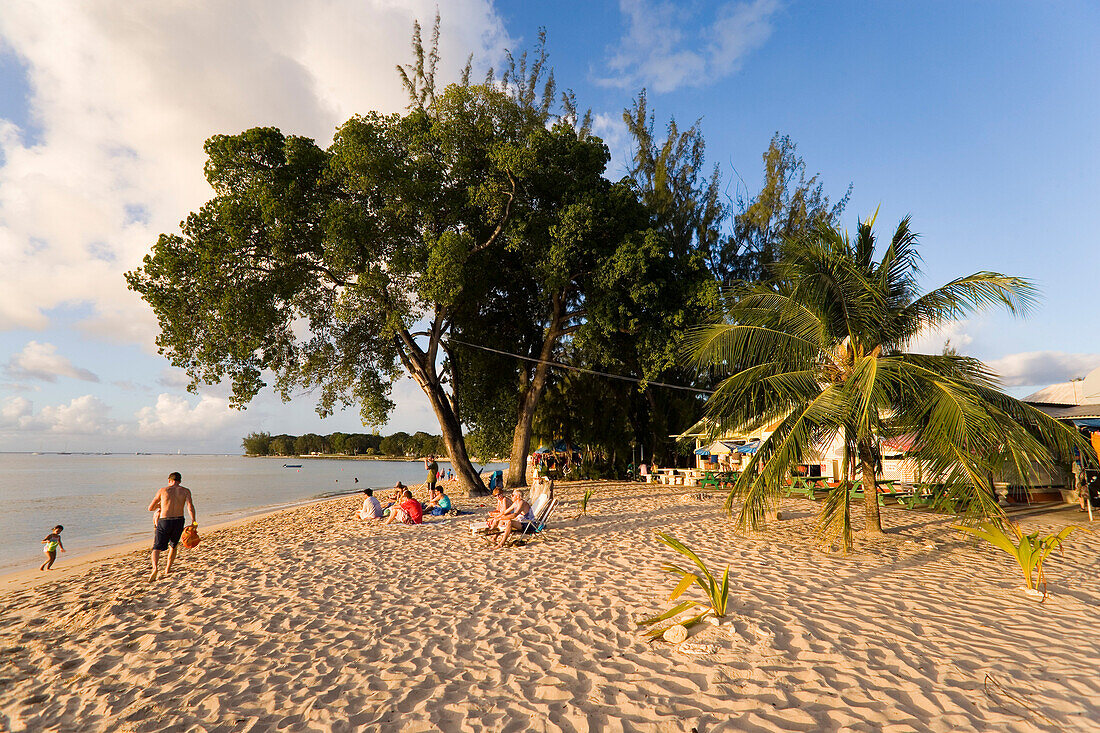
[584,501]
[1029,550]
[717,592]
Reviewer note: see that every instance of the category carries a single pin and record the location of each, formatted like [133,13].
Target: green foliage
[282,445]
[1028,550]
[398,444]
[788,205]
[820,350]
[717,592]
[257,444]
[585,499]
[311,443]
[352,444]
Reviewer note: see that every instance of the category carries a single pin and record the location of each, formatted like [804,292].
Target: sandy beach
[300,620]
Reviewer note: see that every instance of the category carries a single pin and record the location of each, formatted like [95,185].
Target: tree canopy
[475,215]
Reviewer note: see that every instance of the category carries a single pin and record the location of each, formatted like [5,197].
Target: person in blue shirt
[438,503]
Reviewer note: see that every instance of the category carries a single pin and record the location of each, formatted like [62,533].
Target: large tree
[339,269]
[821,347]
[788,204]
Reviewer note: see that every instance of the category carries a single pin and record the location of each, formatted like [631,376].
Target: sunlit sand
[305,620]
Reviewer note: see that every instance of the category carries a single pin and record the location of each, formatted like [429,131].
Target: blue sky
[978,118]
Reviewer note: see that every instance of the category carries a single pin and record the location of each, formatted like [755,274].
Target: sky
[979,119]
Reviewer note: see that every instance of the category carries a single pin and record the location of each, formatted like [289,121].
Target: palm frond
[977,291]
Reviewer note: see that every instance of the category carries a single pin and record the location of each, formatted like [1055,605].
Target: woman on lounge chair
[514,517]
[499,512]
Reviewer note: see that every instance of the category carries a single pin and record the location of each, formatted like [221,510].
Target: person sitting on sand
[372,509]
[514,517]
[398,489]
[407,512]
[52,543]
[438,503]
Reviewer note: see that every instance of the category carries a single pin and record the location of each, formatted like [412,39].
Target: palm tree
[820,347]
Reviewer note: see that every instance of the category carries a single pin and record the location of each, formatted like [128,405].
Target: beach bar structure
[730,450]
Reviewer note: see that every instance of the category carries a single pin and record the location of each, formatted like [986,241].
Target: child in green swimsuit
[52,542]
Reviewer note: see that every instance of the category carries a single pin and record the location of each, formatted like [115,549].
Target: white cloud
[176,417]
[41,361]
[174,378]
[612,131]
[16,412]
[123,96]
[667,47]
[1042,367]
[86,415]
[933,340]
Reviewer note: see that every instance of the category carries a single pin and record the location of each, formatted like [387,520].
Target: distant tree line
[344,444]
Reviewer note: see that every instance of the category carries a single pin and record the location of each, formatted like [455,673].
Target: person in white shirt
[371,508]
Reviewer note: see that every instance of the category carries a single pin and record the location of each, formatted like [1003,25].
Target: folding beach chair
[482,528]
[541,519]
[542,509]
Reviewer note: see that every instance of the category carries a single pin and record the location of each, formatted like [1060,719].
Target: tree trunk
[468,477]
[521,437]
[421,366]
[872,521]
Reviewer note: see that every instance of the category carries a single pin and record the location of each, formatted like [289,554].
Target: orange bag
[190,536]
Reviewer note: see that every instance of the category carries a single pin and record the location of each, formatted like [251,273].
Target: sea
[103,500]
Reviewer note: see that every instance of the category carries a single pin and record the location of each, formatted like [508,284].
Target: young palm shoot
[717,593]
[584,501]
[1029,550]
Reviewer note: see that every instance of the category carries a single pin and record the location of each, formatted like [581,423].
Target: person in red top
[408,511]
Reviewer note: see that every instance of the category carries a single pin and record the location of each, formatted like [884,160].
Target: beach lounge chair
[540,520]
[482,528]
[542,509]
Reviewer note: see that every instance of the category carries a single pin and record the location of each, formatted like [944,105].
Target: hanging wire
[581,369]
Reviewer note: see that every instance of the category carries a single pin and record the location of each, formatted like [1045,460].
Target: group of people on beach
[509,516]
[404,508]
[170,503]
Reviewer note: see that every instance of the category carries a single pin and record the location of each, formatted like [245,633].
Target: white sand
[302,621]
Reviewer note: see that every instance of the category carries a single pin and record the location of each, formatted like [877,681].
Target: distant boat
[295,465]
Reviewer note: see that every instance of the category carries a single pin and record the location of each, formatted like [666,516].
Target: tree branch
[504,219]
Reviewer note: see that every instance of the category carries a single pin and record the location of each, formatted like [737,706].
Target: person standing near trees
[433,472]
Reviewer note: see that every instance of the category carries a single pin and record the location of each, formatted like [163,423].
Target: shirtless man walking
[169,504]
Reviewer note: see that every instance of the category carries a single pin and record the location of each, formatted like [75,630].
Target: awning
[1086,422]
[749,447]
[717,448]
[900,443]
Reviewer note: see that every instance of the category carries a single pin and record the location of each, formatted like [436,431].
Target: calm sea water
[103,500]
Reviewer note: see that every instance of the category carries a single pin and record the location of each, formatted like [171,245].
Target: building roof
[1077,392]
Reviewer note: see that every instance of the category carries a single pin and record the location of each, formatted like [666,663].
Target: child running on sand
[52,542]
